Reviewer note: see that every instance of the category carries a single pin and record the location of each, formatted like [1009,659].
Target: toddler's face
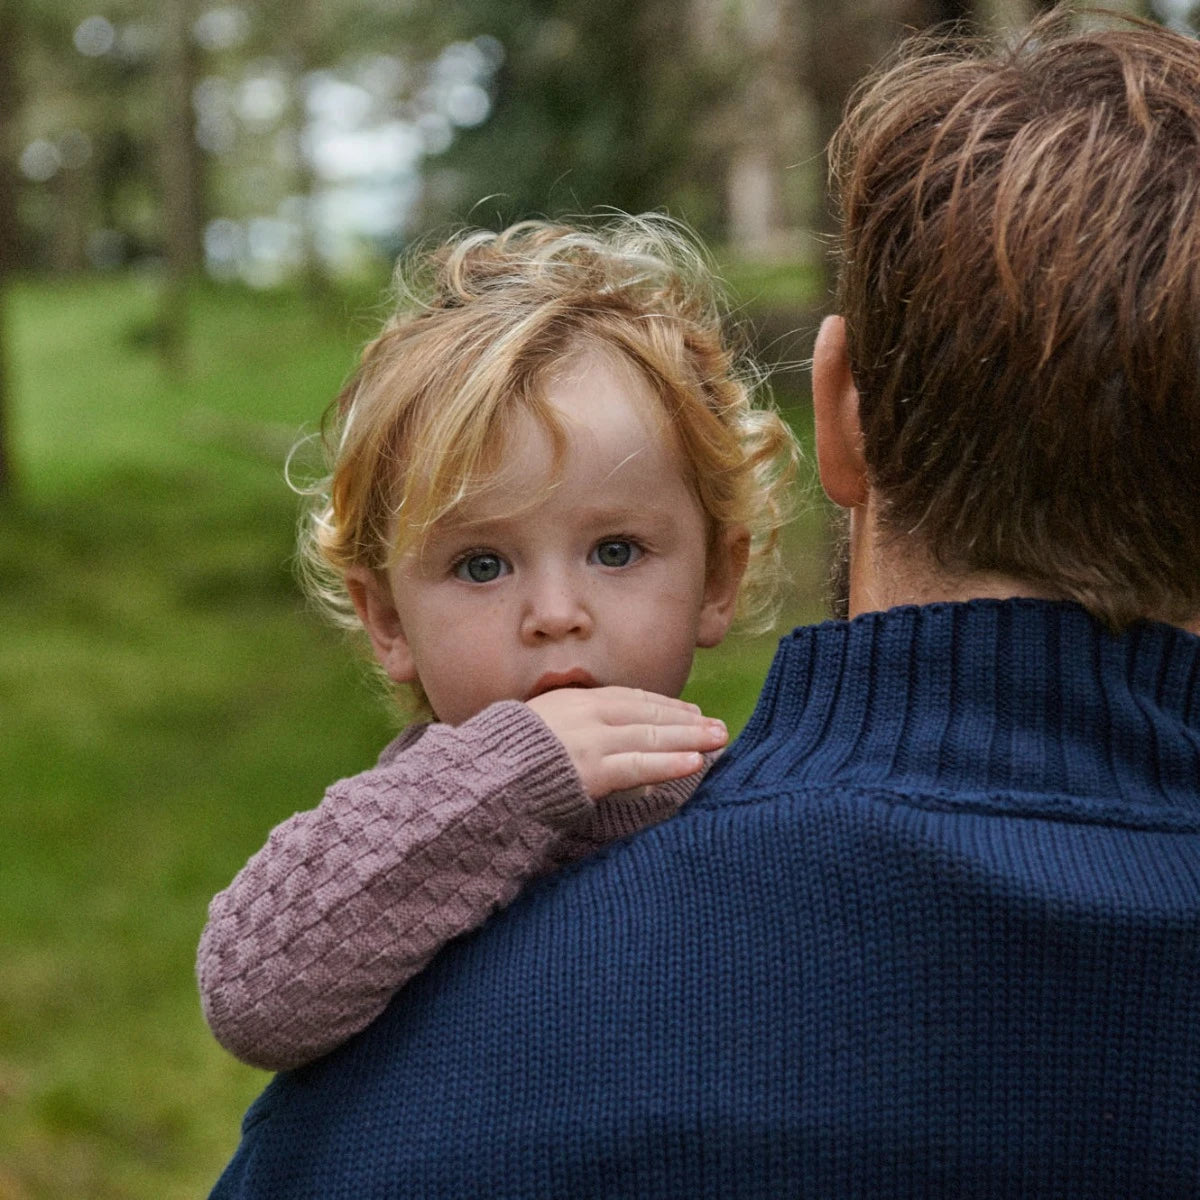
[603,581]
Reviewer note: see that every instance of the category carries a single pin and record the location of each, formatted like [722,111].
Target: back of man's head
[1020,280]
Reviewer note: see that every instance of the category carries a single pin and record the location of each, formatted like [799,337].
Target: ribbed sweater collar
[1026,704]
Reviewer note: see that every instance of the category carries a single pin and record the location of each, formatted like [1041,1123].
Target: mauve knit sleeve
[347,902]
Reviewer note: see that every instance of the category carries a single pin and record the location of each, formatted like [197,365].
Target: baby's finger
[632,706]
[648,738]
[644,769]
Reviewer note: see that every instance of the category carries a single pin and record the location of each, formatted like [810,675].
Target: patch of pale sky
[393,148]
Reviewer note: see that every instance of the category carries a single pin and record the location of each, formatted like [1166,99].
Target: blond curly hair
[478,327]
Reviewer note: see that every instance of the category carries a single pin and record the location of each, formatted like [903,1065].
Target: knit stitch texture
[930,928]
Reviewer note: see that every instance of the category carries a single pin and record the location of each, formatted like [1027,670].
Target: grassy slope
[165,700]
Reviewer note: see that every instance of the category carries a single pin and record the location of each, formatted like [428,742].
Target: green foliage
[167,699]
[595,105]
[781,287]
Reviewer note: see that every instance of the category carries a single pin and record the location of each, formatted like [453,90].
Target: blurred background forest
[199,207]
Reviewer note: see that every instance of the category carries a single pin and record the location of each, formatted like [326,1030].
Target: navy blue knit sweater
[930,929]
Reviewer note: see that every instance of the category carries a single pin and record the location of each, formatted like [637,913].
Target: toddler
[548,486]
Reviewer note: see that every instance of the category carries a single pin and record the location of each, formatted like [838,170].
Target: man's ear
[838,428]
[727,565]
[376,610]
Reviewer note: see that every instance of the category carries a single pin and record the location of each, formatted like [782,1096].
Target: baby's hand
[621,738]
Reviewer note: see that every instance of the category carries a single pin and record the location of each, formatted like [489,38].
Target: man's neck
[888,571]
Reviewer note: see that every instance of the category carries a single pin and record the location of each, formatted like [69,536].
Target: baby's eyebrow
[458,528]
[601,518]
[620,516]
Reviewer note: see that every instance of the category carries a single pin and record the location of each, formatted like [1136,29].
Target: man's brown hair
[1020,280]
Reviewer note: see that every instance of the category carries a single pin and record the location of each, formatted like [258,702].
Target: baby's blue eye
[616,552]
[481,568]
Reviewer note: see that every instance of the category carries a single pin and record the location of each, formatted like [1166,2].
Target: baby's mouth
[552,680]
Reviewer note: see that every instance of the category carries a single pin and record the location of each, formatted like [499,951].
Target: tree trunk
[763,129]
[9,247]
[6,469]
[182,180]
[301,44]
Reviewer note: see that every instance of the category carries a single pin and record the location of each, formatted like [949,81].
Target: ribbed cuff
[552,790]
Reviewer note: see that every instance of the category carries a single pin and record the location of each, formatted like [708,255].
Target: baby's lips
[552,680]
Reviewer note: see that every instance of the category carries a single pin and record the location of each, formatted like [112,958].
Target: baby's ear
[376,609]
[726,566]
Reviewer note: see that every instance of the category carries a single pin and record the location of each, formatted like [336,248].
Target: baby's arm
[347,902]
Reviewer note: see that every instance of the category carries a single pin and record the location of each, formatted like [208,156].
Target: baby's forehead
[590,421]
[607,453]
[597,391]
[609,463]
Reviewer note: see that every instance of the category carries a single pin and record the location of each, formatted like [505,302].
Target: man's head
[1020,288]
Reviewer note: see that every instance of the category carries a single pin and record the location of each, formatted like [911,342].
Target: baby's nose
[555,610]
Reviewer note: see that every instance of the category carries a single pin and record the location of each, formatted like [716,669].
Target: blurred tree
[10,42]
[310,115]
[595,105]
[182,180]
[760,120]
[846,38]
[702,106]
[304,40]
[182,170]
[305,37]
[716,109]
[90,123]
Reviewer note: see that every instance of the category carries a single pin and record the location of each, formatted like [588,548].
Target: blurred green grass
[166,698]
